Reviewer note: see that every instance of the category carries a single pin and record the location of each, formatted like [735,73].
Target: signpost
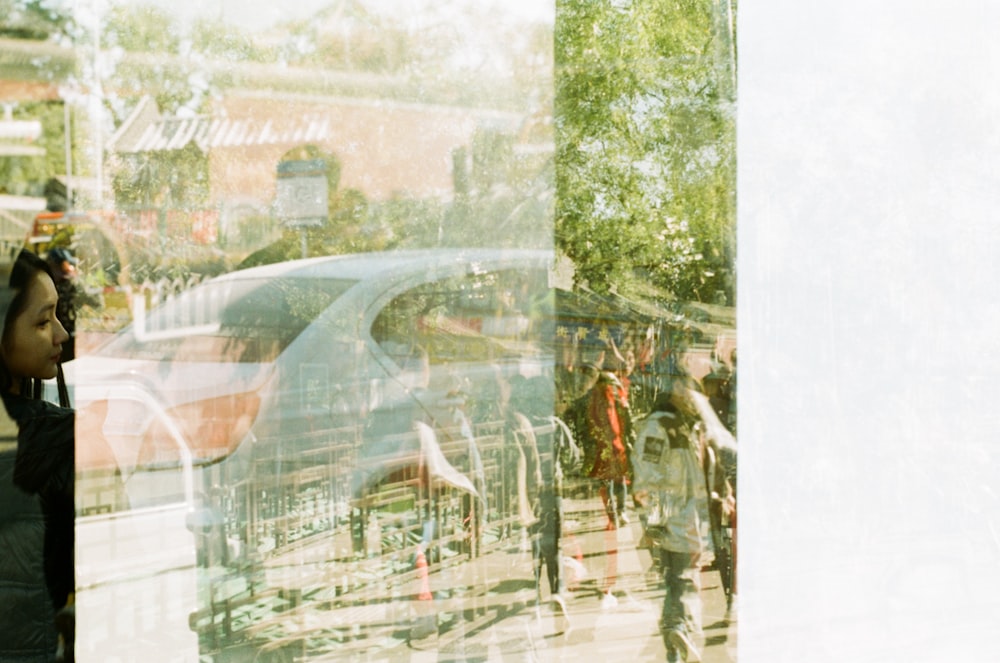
[301,200]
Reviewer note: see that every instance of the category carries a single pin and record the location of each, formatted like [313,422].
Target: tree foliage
[645,145]
[35,19]
[142,28]
[173,180]
[455,53]
[27,175]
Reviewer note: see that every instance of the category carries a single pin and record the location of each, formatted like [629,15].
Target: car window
[237,320]
[471,318]
[259,476]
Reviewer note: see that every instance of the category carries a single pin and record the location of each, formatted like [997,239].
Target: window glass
[478,317]
[373,300]
[239,320]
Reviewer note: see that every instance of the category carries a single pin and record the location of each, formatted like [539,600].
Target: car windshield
[232,321]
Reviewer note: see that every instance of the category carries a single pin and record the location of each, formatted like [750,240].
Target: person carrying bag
[669,469]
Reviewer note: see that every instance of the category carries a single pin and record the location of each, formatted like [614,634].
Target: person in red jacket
[609,418]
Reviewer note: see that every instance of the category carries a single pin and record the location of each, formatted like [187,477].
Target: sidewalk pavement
[480,610]
[518,627]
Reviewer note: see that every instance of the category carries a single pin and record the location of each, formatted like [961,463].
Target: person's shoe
[731,610]
[559,604]
[630,603]
[609,601]
[623,519]
[687,649]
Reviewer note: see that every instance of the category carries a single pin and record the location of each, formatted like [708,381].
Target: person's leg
[620,497]
[557,548]
[608,599]
[607,498]
[550,555]
[690,593]
[549,528]
[731,609]
[537,559]
[680,623]
[672,612]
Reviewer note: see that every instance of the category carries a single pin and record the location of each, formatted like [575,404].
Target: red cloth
[611,461]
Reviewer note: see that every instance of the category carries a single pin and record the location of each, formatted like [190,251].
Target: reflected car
[299,416]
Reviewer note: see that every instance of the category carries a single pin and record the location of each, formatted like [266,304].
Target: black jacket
[26,612]
[45,467]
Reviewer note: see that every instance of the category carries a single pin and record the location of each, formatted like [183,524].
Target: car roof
[360,266]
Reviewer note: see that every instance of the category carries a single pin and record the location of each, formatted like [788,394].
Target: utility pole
[68,142]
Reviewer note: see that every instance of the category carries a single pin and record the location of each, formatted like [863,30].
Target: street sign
[302,189]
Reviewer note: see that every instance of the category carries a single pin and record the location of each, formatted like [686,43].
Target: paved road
[146,618]
[626,631]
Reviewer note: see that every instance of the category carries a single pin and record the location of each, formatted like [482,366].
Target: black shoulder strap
[61,385]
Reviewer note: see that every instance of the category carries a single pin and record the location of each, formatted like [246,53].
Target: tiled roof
[210,132]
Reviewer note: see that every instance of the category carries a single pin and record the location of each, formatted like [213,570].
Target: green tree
[151,38]
[26,175]
[645,145]
[216,39]
[35,19]
[143,28]
[176,179]
[38,20]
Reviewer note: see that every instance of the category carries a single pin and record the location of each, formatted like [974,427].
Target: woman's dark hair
[25,266]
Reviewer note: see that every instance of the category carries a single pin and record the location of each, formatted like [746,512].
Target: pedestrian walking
[609,418]
[671,462]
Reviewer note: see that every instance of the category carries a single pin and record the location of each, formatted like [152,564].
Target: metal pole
[67,134]
[95,109]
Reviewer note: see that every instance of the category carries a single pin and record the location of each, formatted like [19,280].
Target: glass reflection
[317,420]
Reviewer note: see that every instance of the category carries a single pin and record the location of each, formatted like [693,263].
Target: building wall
[384,148]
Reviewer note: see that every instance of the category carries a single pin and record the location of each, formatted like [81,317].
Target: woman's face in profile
[33,345]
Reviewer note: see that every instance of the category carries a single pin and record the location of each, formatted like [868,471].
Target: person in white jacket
[672,470]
